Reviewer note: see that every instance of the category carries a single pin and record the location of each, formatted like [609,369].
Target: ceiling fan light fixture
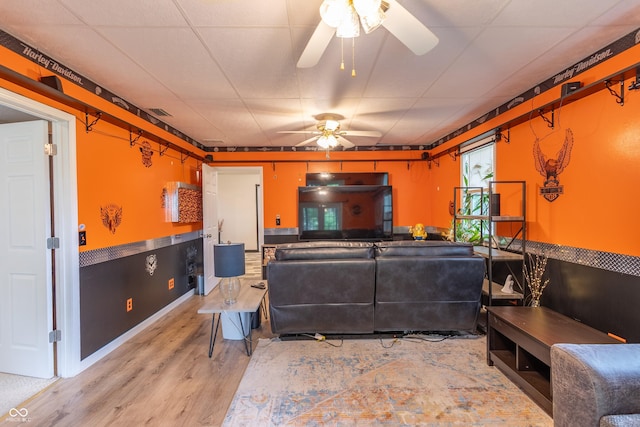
[372,21]
[370,12]
[333,11]
[332,125]
[327,141]
[349,25]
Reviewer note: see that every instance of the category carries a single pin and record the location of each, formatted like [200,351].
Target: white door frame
[249,170]
[66,224]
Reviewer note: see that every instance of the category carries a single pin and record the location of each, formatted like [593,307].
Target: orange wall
[285,172]
[596,211]
[110,171]
[598,208]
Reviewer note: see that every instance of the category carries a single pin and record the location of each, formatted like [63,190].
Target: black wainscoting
[105,288]
[606,300]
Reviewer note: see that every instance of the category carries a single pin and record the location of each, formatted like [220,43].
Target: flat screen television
[345,212]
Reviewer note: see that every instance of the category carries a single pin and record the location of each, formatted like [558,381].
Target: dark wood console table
[519,341]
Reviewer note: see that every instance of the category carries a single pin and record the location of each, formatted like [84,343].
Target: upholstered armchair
[596,384]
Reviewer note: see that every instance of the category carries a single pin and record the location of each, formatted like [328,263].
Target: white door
[25,262]
[209,224]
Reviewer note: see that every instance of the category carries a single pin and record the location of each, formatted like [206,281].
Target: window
[476,171]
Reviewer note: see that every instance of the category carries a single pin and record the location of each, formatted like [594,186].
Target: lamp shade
[228,260]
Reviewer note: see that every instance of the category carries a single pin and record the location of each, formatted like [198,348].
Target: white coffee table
[249,300]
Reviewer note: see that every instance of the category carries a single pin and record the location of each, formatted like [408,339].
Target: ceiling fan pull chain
[353,57]
[342,53]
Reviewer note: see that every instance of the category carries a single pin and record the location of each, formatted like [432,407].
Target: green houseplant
[474,201]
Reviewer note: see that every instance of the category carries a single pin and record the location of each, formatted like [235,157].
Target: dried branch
[533,275]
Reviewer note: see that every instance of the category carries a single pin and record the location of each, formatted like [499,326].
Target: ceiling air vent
[159,112]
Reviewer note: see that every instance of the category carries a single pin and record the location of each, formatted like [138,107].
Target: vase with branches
[533,274]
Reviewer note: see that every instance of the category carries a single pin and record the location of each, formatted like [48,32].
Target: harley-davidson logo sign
[551,168]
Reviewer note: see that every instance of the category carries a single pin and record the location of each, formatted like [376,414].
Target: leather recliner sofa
[339,287]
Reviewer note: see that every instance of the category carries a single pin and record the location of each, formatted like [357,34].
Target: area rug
[418,381]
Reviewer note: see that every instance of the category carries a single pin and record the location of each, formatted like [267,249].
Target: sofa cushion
[324,250]
[422,248]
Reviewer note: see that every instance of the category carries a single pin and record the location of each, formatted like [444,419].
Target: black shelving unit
[498,248]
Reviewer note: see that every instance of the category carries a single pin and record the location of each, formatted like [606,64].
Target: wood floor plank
[162,376]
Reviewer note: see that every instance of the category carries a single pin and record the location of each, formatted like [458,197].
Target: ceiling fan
[344,17]
[329,135]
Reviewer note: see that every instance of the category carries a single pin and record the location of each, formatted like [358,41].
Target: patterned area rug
[363,382]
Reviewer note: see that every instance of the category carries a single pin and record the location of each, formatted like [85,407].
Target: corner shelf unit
[488,216]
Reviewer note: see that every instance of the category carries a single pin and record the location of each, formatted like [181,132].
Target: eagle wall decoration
[111,216]
[550,168]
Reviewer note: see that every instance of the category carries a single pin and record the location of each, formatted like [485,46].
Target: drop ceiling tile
[174,56]
[126,13]
[245,13]
[552,13]
[454,13]
[395,72]
[494,55]
[14,13]
[257,61]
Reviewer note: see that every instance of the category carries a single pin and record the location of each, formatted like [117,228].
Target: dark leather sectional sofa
[342,287]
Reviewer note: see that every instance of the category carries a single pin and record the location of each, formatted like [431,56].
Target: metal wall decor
[111,216]
[151,263]
[550,168]
[147,152]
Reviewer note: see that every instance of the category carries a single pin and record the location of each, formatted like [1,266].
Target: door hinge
[50,149]
[55,336]
[53,243]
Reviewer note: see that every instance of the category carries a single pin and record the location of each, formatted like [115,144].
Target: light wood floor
[161,377]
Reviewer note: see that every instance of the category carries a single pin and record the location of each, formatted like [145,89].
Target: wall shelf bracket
[184,159]
[500,135]
[132,140]
[161,151]
[619,96]
[549,122]
[89,126]
[635,85]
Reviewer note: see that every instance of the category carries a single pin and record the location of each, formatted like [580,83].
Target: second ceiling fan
[328,134]
[344,17]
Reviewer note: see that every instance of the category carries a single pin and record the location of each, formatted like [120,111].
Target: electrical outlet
[171,283]
[129,304]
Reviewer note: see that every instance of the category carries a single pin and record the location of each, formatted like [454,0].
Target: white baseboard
[104,351]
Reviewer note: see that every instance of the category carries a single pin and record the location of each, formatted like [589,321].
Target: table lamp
[228,261]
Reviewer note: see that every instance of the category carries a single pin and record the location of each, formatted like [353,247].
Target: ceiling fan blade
[367,133]
[345,142]
[306,141]
[406,28]
[316,45]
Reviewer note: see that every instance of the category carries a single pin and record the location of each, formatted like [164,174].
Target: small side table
[249,300]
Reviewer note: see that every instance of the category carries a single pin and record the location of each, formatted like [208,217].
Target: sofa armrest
[593,380]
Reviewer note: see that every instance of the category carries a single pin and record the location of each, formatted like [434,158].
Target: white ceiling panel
[126,13]
[226,69]
[174,56]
